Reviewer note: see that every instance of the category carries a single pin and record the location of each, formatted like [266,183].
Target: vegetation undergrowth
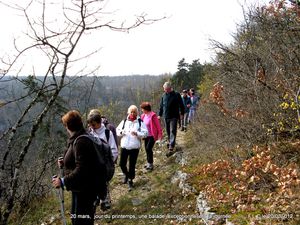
[262,189]
[44,210]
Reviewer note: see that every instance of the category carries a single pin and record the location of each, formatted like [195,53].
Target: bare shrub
[255,96]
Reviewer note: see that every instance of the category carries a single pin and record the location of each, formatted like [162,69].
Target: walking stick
[61,170]
[62,208]
[61,194]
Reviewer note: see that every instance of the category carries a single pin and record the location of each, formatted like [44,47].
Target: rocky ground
[159,197]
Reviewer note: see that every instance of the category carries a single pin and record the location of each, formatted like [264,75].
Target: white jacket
[100,133]
[128,140]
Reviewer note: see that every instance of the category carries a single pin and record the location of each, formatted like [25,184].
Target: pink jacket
[155,125]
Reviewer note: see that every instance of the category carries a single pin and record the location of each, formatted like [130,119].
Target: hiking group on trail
[89,161]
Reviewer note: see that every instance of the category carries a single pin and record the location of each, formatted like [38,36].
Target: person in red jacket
[154,132]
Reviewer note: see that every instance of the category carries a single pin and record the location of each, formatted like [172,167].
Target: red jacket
[155,125]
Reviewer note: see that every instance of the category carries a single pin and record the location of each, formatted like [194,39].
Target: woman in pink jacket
[154,132]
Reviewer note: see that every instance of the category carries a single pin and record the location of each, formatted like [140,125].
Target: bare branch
[57,44]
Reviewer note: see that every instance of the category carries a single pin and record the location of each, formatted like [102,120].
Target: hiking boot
[149,167]
[105,205]
[130,184]
[102,206]
[170,152]
[125,180]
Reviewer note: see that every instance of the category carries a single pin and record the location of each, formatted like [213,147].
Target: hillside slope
[177,192]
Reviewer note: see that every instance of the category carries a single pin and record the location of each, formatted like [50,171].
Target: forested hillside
[239,161]
[247,137]
[81,93]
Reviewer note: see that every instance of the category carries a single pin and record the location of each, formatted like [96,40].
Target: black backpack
[104,155]
[139,120]
[107,134]
[110,127]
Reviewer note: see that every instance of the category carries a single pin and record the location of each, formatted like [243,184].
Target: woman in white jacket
[98,129]
[131,130]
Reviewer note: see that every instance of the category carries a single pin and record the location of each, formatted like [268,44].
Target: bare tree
[57,41]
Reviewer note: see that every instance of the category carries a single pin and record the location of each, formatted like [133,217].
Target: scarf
[132,117]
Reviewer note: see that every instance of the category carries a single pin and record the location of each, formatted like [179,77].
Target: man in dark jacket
[171,105]
[81,171]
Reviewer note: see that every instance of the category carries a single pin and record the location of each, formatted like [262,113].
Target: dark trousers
[171,128]
[132,154]
[149,143]
[83,211]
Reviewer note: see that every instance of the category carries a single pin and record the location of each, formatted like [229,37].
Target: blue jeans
[192,114]
[185,120]
[171,128]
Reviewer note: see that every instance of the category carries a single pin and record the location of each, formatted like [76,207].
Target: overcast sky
[152,49]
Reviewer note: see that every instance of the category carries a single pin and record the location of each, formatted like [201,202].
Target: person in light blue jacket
[187,104]
[194,105]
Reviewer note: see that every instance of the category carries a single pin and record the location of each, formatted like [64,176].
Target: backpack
[107,134]
[104,155]
[139,119]
[112,128]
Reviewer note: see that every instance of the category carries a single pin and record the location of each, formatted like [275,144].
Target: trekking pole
[62,192]
[61,169]
[61,198]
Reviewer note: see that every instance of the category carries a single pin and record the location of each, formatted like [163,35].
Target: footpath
[162,196]
[158,197]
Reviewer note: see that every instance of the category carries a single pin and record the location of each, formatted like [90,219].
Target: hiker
[171,108]
[97,129]
[107,124]
[187,104]
[131,130]
[154,132]
[194,105]
[80,168]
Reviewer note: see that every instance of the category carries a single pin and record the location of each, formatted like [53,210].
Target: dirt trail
[145,184]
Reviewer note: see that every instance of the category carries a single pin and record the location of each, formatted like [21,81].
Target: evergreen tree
[188,75]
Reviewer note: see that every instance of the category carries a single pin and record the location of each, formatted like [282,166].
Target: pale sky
[151,49]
